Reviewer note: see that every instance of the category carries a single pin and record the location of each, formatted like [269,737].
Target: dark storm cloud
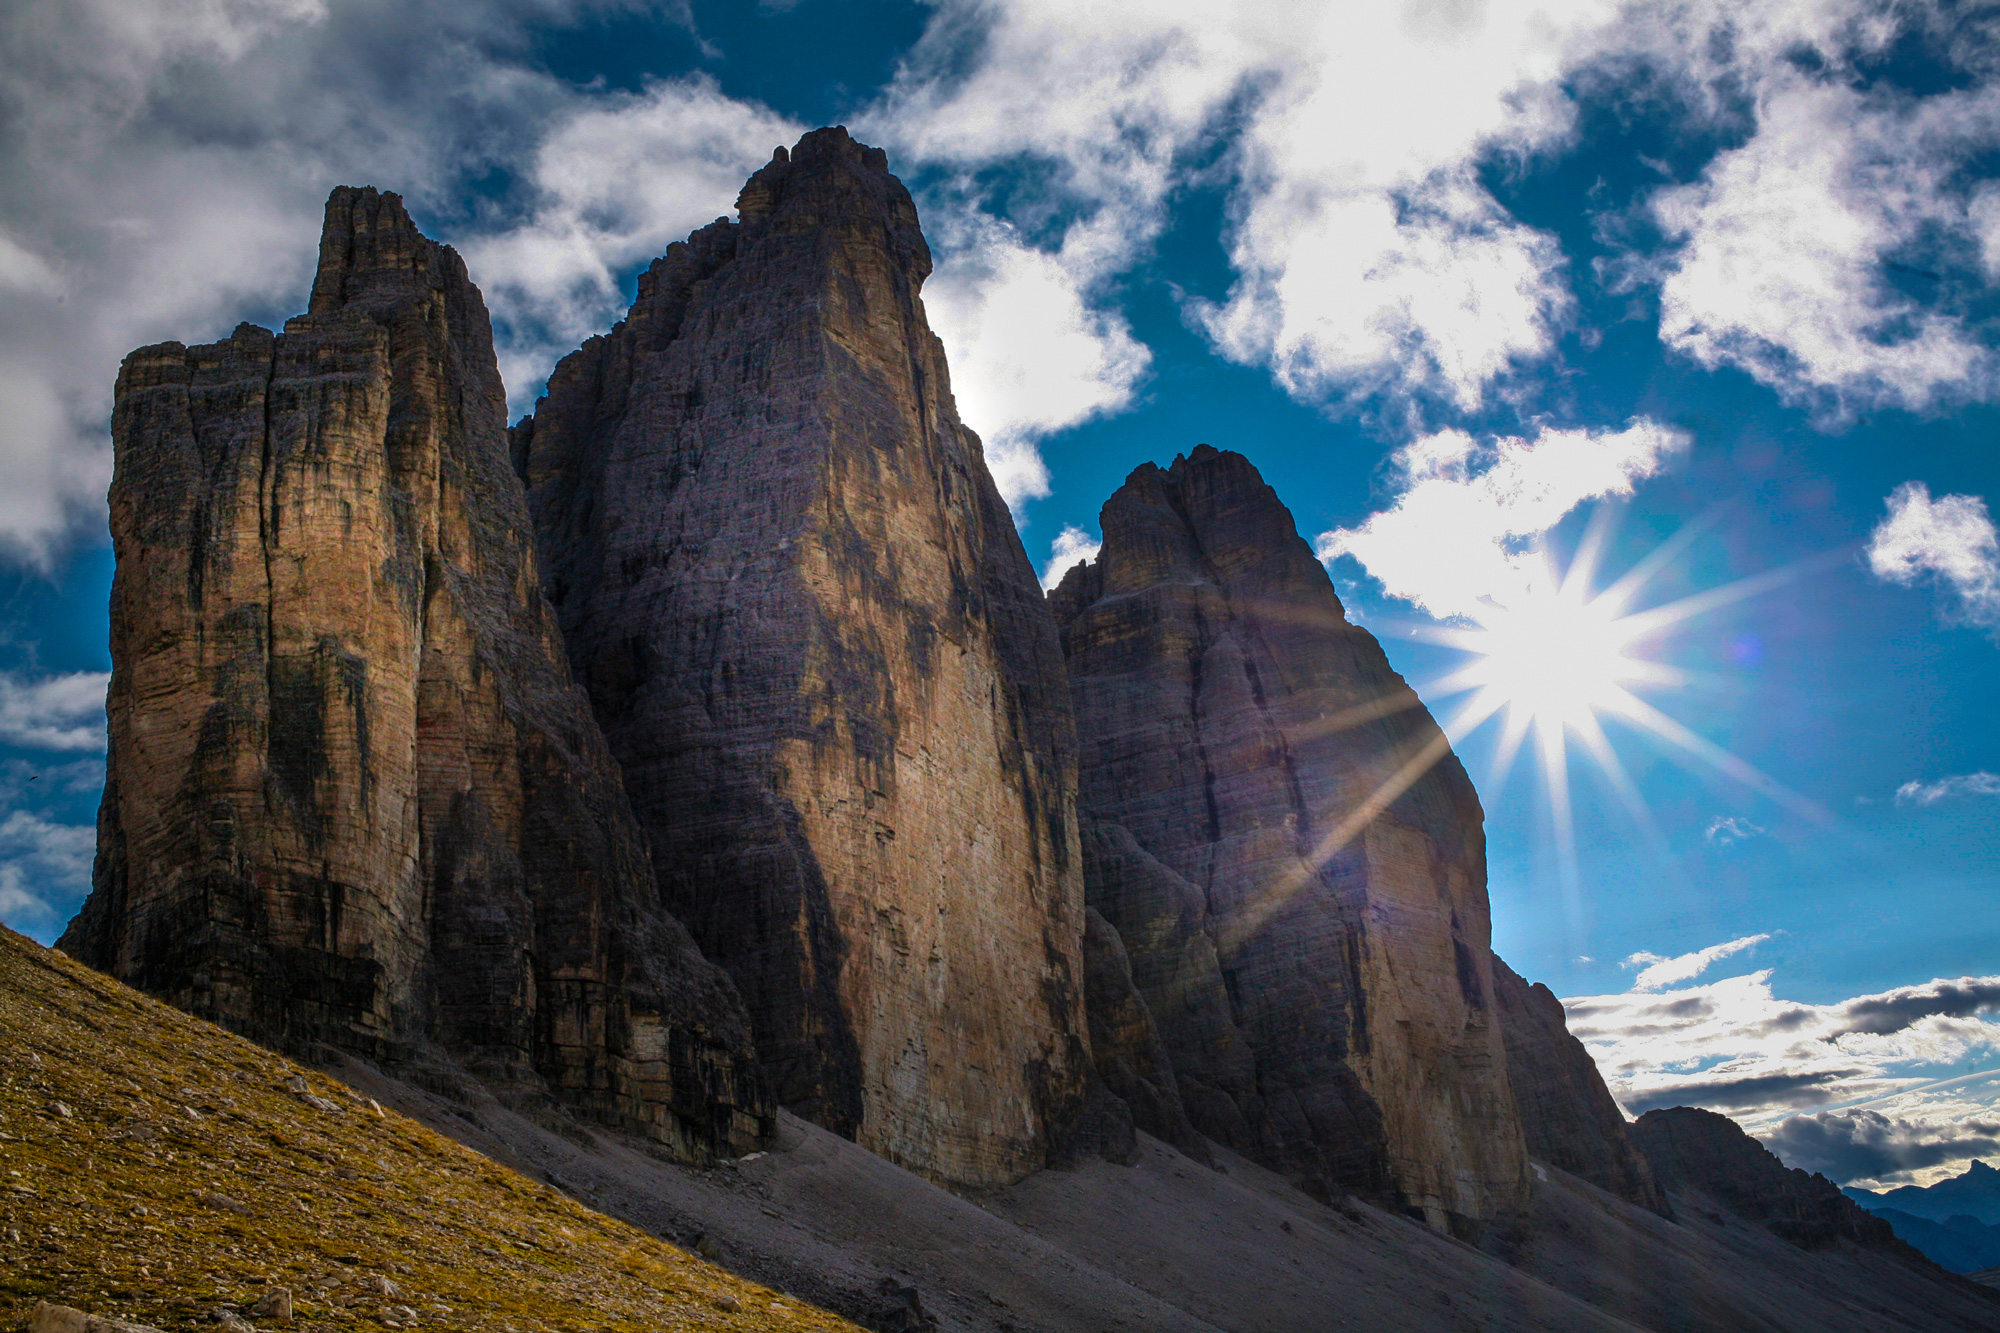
[1810,1089]
[1865,1145]
[1901,1009]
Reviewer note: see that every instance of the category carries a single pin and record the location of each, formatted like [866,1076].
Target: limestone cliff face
[1568,1115]
[1290,853]
[354,796]
[819,653]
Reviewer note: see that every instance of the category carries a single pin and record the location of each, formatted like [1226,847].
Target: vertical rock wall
[1290,853]
[820,655]
[1568,1115]
[353,794]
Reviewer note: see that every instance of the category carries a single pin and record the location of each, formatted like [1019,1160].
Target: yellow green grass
[154,1167]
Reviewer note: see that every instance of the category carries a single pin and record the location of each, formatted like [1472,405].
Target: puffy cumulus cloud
[162,171]
[1726,829]
[1656,971]
[1467,514]
[1370,257]
[1072,547]
[1733,1045]
[1353,142]
[1029,354]
[55,712]
[616,182]
[1951,540]
[1867,1145]
[1960,784]
[1783,242]
[44,869]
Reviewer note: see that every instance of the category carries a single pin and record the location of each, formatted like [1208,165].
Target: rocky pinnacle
[821,657]
[353,794]
[1289,852]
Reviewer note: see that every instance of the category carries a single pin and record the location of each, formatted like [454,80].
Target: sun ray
[1267,903]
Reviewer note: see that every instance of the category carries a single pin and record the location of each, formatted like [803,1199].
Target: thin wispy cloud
[1656,971]
[1950,541]
[1724,830]
[1945,789]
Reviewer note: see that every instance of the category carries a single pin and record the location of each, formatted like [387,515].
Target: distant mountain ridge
[1955,1222]
[1973,1193]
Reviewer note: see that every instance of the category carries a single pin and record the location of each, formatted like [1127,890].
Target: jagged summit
[353,794]
[821,657]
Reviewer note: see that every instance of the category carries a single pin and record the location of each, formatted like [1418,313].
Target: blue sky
[1474,284]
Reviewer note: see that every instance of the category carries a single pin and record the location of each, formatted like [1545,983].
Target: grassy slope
[187,1174]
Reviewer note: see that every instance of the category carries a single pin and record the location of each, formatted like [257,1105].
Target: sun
[1556,659]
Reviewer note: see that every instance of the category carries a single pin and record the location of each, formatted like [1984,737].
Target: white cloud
[163,173]
[1029,355]
[1735,1046]
[1467,513]
[1962,784]
[1371,258]
[1780,269]
[1726,829]
[55,712]
[617,181]
[1072,547]
[1952,539]
[1658,972]
[44,868]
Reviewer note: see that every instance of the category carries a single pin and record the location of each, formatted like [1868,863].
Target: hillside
[158,1168]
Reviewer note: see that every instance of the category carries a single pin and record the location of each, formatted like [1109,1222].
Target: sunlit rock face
[1290,853]
[1569,1116]
[354,795]
[822,658]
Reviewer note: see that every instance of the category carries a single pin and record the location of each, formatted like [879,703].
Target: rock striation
[821,657]
[1289,852]
[1693,1149]
[1569,1117]
[354,795]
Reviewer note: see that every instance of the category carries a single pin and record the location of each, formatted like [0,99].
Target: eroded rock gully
[353,794]
[823,661]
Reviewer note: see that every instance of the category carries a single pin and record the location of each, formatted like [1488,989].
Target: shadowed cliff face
[821,657]
[353,794]
[1568,1115]
[1291,854]
[1693,1149]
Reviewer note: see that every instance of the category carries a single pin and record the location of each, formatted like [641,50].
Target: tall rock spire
[1291,855]
[822,659]
[354,795]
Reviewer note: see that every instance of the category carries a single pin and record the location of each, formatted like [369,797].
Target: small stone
[49,1318]
[728,1304]
[297,1083]
[384,1287]
[705,1246]
[62,1110]
[223,1202]
[319,1103]
[275,1303]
